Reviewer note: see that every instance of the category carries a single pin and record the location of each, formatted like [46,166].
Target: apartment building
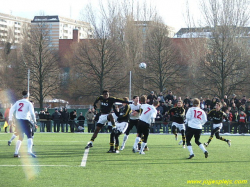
[11,27]
[62,28]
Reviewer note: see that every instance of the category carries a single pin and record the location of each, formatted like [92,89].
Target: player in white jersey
[148,114]
[195,118]
[133,120]
[24,110]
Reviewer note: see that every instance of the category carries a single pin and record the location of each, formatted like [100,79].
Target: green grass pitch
[165,164]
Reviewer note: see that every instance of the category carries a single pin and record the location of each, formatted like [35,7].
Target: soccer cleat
[135,150]
[9,143]
[229,143]
[111,151]
[122,147]
[141,153]
[176,137]
[180,142]
[206,154]
[89,145]
[32,154]
[190,156]
[206,144]
[146,148]
[183,146]
[16,156]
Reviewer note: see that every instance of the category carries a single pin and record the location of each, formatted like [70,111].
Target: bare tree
[39,55]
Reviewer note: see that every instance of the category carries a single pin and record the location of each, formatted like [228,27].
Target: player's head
[136,99]
[143,99]
[125,99]
[179,103]
[156,104]
[218,105]
[25,94]
[105,94]
[196,102]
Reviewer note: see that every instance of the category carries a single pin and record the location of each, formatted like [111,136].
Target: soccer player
[195,117]
[178,114]
[134,118]
[148,114]
[217,116]
[121,126]
[106,106]
[24,109]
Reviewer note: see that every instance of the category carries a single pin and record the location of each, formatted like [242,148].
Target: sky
[172,11]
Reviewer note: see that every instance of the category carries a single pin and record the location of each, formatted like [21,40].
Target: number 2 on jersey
[21,106]
[148,109]
[197,114]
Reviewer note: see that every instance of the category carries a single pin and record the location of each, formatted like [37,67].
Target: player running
[148,114]
[106,106]
[217,116]
[178,114]
[195,117]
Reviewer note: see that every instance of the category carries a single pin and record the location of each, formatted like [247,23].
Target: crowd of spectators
[237,110]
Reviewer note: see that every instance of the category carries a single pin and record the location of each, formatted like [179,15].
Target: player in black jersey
[178,114]
[121,126]
[106,103]
[217,116]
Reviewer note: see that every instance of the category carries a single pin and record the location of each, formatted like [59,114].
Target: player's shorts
[179,126]
[103,119]
[121,127]
[24,127]
[219,125]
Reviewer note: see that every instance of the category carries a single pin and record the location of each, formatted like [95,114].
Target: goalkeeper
[178,114]
[121,125]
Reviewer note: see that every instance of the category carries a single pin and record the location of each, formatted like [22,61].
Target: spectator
[72,116]
[202,103]
[175,101]
[226,100]
[56,117]
[48,120]
[42,120]
[158,121]
[187,100]
[151,97]
[242,119]
[61,120]
[90,117]
[224,107]
[160,108]
[81,120]
[213,103]
[169,96]
[65,119]
[6,118]
[226,124]
[162,100]
[236,101]
[208,101]
[247,103]
[234,111]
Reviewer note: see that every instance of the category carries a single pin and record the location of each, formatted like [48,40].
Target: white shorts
[217,125]
[179,126]
[103,118]
[121,127]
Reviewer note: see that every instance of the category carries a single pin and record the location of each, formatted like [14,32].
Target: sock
[30,144]
[18,145]
[190,149]
[91,142]
[210,139]
[143,145]
[125,138]
[202,148]
[13,137]
[136,142]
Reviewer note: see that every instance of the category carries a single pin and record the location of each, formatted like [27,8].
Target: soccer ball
[142,65]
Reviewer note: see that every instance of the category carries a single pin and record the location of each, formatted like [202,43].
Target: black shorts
[24,127]
[143,127]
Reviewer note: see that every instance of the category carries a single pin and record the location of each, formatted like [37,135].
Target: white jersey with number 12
[149,112]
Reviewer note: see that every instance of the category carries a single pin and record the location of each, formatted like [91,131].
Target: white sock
[18,145]
[190,149]
[30,144]
[136,142]
[13,137]
[125,138]
[143,145]
[91,142]
[202,148]
[32,137]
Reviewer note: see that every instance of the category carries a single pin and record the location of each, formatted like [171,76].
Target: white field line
[84,158]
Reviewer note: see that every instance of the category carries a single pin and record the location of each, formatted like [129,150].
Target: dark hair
[25,94]
[143,99]
[135,96]
[105,91]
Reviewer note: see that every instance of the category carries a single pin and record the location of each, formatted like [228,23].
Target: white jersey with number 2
[149,112]
[24,110]
[196,117]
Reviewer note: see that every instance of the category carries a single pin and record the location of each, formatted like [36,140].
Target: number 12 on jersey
[197,114]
